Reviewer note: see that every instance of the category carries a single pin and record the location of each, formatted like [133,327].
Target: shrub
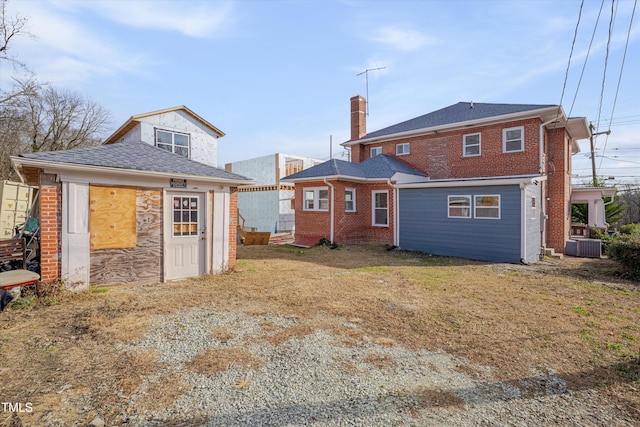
[633,229]
[626,251]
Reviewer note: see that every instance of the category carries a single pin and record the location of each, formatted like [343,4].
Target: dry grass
[573,317]
[217,360]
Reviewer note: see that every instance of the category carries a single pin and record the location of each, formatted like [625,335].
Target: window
[177,143]
[512,140]
[471,145]
[533,208]
[459,206]
[380,208]
[402,149]
[376,151]
[350,200]
[185,216]
[487,207]
[316,199]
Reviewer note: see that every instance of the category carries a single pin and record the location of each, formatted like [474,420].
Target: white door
[185,235]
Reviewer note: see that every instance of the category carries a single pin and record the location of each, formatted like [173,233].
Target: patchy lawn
[573,317]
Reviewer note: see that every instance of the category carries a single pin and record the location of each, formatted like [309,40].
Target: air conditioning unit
[590,248]
[584,248]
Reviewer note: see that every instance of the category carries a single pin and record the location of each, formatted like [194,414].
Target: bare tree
[39,117]
[36,116]
[10,27]
[630,195]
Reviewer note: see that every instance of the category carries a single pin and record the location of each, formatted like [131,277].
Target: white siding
[204,144]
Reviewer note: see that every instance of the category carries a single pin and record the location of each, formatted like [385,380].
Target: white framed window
[471,145]
[380,208]
[459,206]
[487,207]
[316,199]
[513,140]
[185,216]
[174,142]
[375,151]
[402,149]
[350,200]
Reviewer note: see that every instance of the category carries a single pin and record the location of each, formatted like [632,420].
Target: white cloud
[402,39]
[65,50]
[193,19]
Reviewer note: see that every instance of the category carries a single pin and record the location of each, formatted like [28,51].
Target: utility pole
[366,75]
[593,154]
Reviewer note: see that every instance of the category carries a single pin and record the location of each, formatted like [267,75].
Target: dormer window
[513,140]
[173,142]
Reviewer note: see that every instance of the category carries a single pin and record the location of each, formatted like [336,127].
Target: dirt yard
[65,358]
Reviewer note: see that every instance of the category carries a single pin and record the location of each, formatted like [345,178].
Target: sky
[276,76]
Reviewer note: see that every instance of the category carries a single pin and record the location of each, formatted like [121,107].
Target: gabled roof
[134,120]
[129,156]
[464,114]
[379,167]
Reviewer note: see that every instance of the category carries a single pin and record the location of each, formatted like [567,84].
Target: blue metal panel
[424,224]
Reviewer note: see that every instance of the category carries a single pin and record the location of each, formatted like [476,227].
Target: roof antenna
[366,75]
[471,104]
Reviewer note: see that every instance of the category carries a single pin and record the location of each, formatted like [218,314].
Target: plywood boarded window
[112,217]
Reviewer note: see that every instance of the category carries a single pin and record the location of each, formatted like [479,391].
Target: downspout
[396,208]
[604,207]
[331,209]
[543,207]
[523,224]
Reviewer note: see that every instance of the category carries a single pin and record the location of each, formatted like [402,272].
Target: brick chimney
[358,117]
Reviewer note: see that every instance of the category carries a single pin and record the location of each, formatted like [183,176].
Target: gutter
[58,166]
[474,182]
[331,210]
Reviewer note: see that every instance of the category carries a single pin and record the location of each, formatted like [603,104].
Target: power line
[606,61]
[566,74]
[624,56]
[585,58]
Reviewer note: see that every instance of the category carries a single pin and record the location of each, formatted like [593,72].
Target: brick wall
[351,227]
[50,228]
[558,189]
[441,155]
[233,227]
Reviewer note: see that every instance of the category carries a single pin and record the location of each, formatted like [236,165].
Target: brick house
[482,181]
[137,208]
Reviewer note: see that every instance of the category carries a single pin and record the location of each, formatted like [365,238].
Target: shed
[129,211]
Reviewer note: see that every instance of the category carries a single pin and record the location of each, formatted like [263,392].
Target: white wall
[204,144]
[267,210]
[260,209]
[262,169]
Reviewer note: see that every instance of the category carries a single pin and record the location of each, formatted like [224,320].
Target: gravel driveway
[317,378]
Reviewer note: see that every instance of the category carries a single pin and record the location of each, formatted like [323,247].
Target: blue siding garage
[476,222]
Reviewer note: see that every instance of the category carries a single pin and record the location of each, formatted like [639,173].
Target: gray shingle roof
[134,156]
[377,167]
[456,113]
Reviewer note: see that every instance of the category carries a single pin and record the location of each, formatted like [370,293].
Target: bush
[626,251]
[632,229]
